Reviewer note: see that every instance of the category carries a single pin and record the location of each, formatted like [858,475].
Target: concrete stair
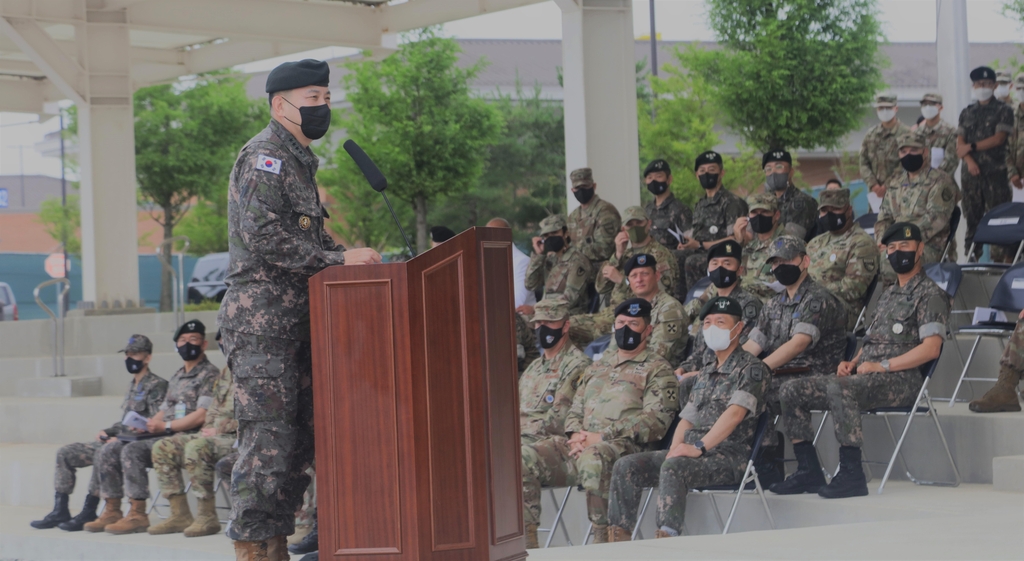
[1008,474]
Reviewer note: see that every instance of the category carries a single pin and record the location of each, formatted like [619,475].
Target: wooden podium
[417,405]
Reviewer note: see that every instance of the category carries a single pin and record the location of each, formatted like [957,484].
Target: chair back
[1003,225]
[871,289]
[946,275]
[954,223]
[598,346]
[762,426]
[666,442]
[697,290]
[867,221]
[928,369]
[1009,292]
[851,347]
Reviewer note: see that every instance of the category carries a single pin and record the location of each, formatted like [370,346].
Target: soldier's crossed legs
[74,456]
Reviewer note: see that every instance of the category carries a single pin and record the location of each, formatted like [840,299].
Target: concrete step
[57,421]
[1008,474]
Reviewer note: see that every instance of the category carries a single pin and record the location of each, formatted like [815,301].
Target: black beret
[190,326]
[291,75]
[721,305]
[709,157]
[776,156]
[727,248]
[982,73]
[441,234]
[634,308]
[640,260]
[901,231]
[657,165]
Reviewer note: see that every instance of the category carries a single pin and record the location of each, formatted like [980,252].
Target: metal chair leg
[590,532]
[736,501]
[903,436]
[640,515]
[558,521]
[963,373]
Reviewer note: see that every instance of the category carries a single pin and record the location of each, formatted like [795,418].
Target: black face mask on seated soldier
[831,222]
[657,187]
[902,261]
[722,277]
[549,336]
[583,194]
[761,224]
[708,180]
[553,244]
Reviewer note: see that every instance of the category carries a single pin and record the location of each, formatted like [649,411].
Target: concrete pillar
[599,83]
[953,56]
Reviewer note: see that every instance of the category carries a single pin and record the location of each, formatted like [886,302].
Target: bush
[206,305]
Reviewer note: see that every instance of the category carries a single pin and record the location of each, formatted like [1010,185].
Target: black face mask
[912,162]
[657,187]
[708,180]
[133,366]
[902,261]
[627,339]
[548,336]
[583,195]
[554,244]
[761,224]
[831,222]
[189,352]
[316,120]
[787,274]
[778,181]
[722,277]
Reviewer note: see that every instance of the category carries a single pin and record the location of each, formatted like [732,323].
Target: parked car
[208,278]
[8,304]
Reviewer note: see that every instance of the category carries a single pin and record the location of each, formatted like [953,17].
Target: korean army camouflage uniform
[593,229]
[991,187]
[943,136]
[195,453]
[904,317]
[123,468]
[1015,143]
[526,343]
[713,219]
[669,337]
[276,241]
[799,211]
[672,215]
[741,380]
[143,398]
[755,253]
[566,274]
[630,403]
[879,154]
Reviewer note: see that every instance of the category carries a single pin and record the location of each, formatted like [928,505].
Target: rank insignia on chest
[714,230]
[266,163]
[304,222]
[897,328]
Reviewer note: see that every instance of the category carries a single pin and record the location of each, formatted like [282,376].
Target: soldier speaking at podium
[276,241]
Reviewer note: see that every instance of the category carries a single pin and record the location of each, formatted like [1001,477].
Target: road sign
[53,265]
[3,198]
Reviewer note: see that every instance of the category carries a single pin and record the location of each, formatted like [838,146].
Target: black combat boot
[770,469]
[850,481]
[807,478]
[59,514]
[309,544]
[88,514]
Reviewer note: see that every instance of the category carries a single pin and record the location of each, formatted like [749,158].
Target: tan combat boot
[531,536]
[618,534]
[601,533]
[252,551]
[277,549]
[111,514]
[206,523]
[180,518]
[137,520]
[659,533]
[1002,396]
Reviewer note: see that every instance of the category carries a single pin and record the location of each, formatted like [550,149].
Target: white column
[599,81]
[952,51]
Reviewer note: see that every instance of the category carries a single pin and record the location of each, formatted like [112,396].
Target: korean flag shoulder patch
[266,163]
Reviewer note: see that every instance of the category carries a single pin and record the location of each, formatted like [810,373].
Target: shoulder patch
[947,194]
[815,305]
[869,265]
[750,311]
[266,163]
[756,372]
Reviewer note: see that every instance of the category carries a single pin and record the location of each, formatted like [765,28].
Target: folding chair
[867,300]
[697,290]
[221,486]
[558,522]
[948,276]
[1003,225]
[153,507]
[598,346]
[867,222]
[954,223]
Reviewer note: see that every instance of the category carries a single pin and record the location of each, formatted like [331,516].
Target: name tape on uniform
[266,163]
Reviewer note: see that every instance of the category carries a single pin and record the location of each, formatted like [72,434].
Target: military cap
[728,248]
[441,234]
[837,198]
[709,157]
[291,75]
[138,344]
[551,309]
[190,326]
[982,73]
[721,305]
[640,260]
[932,97]
[787,247]
[915,139]
[763,201]
[1019,80]
[634,308]
[553,223]
[657,165]
[776,156]
[1003,76]
[633,213]
[885,100]
[901,231]
[582,176]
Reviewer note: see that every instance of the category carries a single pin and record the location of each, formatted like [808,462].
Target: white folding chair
[558,522]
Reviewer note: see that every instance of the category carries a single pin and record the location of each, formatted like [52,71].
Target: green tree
[63,222]
[1014,8]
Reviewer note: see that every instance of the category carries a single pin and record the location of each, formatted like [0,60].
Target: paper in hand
[135,421]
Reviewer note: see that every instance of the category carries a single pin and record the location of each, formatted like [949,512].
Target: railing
[177,277]
[58,321]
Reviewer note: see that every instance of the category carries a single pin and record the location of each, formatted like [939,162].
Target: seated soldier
[668,321]
[756,233]
[712,443]
[795,206]
[1003,395]
[145,393]
[634,238]
[558,267]
[624,404]
[907,331]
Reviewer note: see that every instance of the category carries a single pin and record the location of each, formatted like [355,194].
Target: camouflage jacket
[942,135]
[668,266]
[669,336]
[567,274]
[978,122]
[879,153]
[276,237]
[593,229]
[845,264]
[799,212]
[713,217]
[755,258]
[526,343]
[192,389]
[741,380]
[927,201]
[635,399]
[701,355]
[144,398]
[904,317]
[813,311]
[1015,145]
[221,414]
[546,391]
[671,215]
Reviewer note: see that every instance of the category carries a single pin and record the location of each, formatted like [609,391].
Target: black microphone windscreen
[366,165]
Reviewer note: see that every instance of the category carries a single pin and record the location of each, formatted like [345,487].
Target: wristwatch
[885,365]
[167,427]
[700,446]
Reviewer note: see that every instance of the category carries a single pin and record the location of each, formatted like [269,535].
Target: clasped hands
[582,440]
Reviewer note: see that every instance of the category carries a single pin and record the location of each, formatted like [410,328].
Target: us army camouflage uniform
[905,316]
[713,219]
[276,241]
[196,453]
[526,344]
[669,337]
[566,274]
[879,154]
[845,264]
[630,403]
[143,398]
[672,215]
[991,187]
[755,256]
[927,201]
[546,391]
[620,292]
[799,212]
[740,381]
[1015,144]
[942,135]
[593,229]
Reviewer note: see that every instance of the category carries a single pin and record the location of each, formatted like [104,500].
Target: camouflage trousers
[123,468]
[274,409]
[981,193]
[306,515]
[74,456]
[224,465]
[1011,364]
[774,406]
[693,266]
[547,463]
[845,397]
[194,453]
[673,478]
[584,328]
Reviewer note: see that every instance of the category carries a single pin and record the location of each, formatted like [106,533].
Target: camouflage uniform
[667,263]
[713,219]
[567,274]
[1015,144]
[740,381]
[526,344]
[942,135]
[277,240]
[669,337]
[630,403]
[593,229]
[672,215]
[879,154]
[755,252]
[799,211]
[905,316]
[927,201]
[991,187]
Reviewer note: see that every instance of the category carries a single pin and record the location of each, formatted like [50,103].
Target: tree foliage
[1015,9]
[63,222]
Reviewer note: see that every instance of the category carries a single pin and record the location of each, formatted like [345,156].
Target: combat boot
[277,548]
[531,536]
[770,469]
[88,514]
[1002,396]
[111,513]
[206,523]
[308,544]
[618,534]
[850,481]
[807,478]
[659,533]
[180,518]
[252,551]
[136,522]
[600,533]
[60,513]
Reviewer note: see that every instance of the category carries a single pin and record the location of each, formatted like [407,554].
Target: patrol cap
[914,139]
[551,308]
[657,165]
[709,157]
[634,308]
[138,344]
[190,326]
[901,231]
[553,223]
[441,234]
[1003,76]
[837,198]
[932,97]
[787,247]
[633,213]
[982,73]
[291,75]
[776,156]
[722,305]
[728,248]
[640,260]
[885,100]
[763,201]
[582,177]
[1019,80]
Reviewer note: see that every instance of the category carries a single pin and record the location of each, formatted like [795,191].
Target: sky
[677,20]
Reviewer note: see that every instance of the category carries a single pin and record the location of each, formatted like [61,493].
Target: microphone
[376,180]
